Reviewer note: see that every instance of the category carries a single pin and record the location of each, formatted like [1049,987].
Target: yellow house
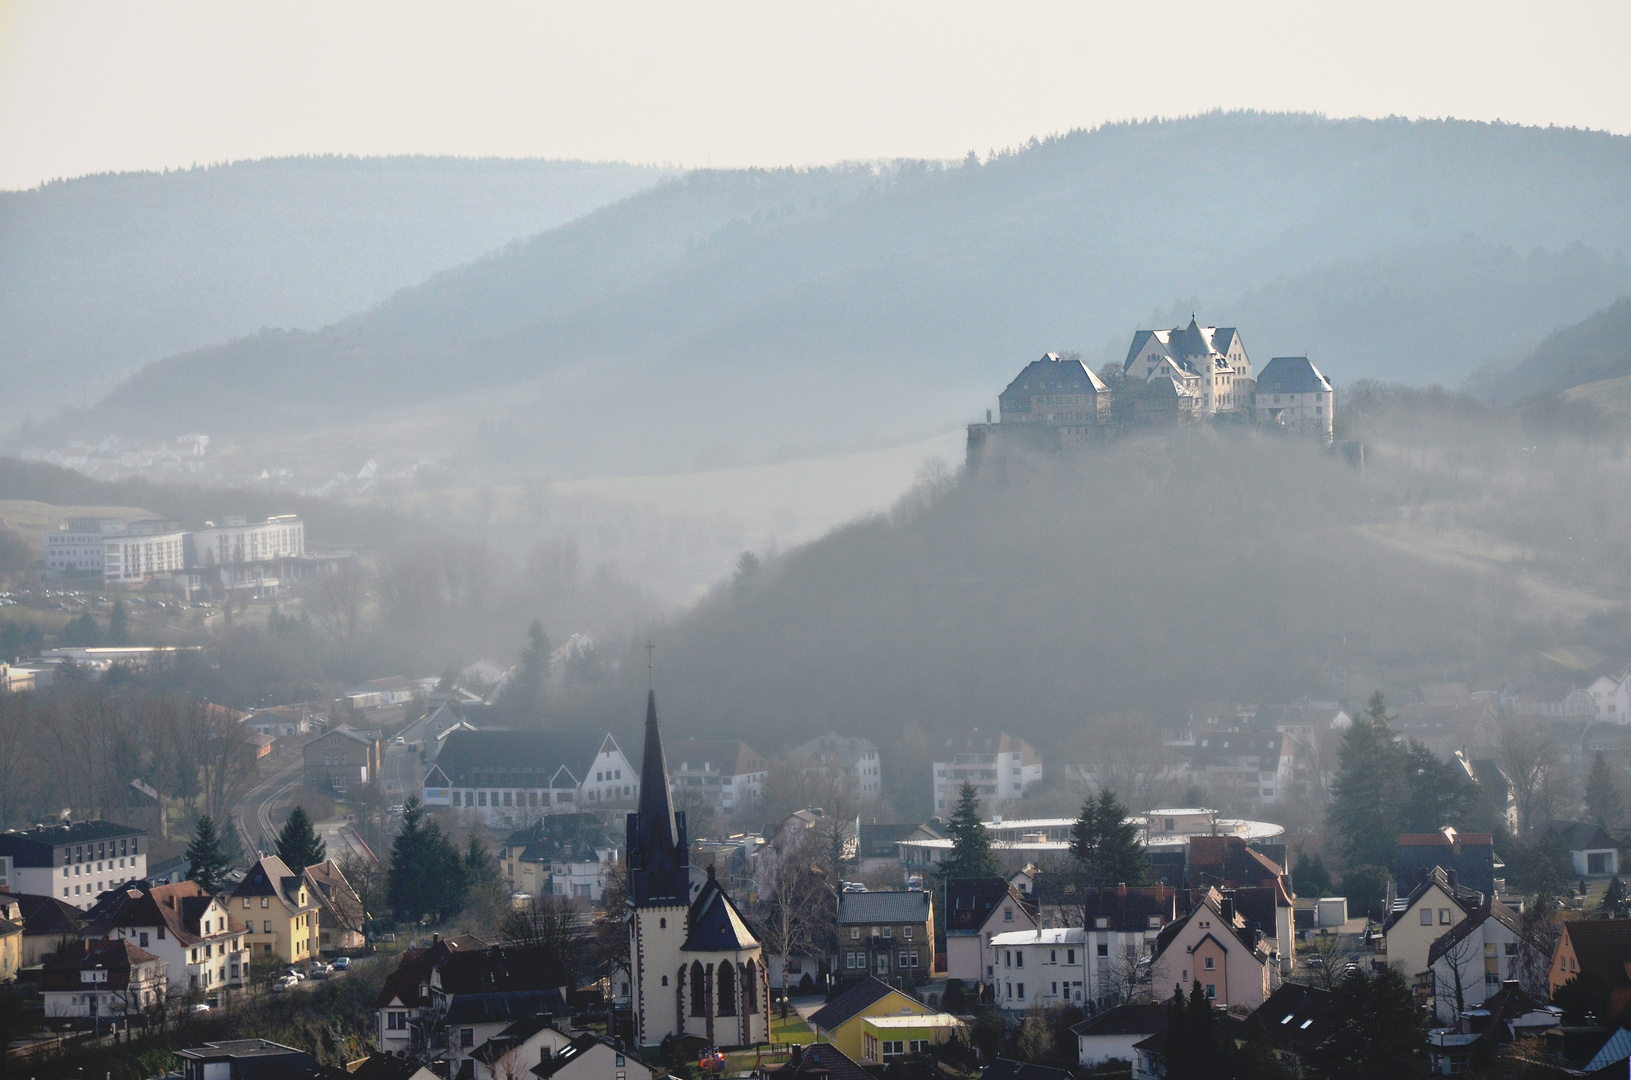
[280,912]
[1431,910]
[11,940]
[843,1020]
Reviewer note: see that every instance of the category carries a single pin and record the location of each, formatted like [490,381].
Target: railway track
[253,817]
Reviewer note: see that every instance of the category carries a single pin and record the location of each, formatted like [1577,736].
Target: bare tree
[1324,954]
[16,779]
[1128,977]
[794,899]
[338,599]
[226,756]
[556,923]
[1456,966]
[1126,755]
[1529,758]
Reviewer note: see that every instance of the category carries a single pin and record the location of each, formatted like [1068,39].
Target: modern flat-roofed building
[1000,766]
[74,861]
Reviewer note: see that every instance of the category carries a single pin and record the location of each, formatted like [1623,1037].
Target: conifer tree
[1603,800]
[1377,1030]
[1106,844]
[1366,794]
[298,844]
[971,855]
[119,624]
[209,857]
[428,876]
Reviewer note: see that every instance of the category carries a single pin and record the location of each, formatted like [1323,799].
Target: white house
[1472,960]
[1111,1035]
[1040,968]
[202,946]
[102,980]
[1415,922]
[379,693]
[1611,697]
[727,772]
[511,778]
[844,756]
[1593,852]
[1292,393]
[514,1051]
[1211,360]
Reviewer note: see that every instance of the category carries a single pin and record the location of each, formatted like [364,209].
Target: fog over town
[507,569]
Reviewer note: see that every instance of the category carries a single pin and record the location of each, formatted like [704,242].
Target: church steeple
[658,851]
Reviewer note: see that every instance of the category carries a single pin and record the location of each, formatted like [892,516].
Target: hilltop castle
[1187,374]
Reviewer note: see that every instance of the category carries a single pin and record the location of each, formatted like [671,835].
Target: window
[266,901]
[268,926]
[1019,989]
[1104,948]
[855,933]
[906,932]
[1101,923]
[1019,959]
[142,939]
[1053,956]
[1444,916]
[1512,948]
[1211,990]
[467,1037]
[1427,916]
[1007,914]
[1070,956]
[662,924]
[889,931]
[1211,963]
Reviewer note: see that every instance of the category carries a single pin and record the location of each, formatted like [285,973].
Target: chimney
[1449,875]
[1121,888]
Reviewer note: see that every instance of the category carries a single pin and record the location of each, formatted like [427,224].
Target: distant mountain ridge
[837,308]
[102,273]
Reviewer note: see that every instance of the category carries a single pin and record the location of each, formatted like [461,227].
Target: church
[697,968]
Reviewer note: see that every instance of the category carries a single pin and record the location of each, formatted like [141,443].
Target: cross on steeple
[651,669]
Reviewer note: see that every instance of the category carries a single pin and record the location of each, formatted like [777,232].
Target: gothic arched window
[750,987]
[665,980]
[662,924]
[727,989]
[699,990]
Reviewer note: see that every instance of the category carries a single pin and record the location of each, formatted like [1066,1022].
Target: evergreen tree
[428,876]
[1310,877]
[1366,794]
[298,844]
[1603,802]
[523,695]
[1196,1047]
[1106,844]
[1377,1030]
[209,857]
[119,624]
[82,630]
[1436,792]
[971,855]
[1614,899]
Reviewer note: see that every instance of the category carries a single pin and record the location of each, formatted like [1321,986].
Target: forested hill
[1593,350]
[103,273]
[785,311]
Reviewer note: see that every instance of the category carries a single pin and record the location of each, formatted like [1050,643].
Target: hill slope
[103,273]
[828,309]
[1593,350]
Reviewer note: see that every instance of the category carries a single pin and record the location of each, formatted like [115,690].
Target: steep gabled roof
[1009,1069]
[970,902]
[1125,1020]
[334,892]
[502,969]
[715,924]
[728,757]
[528,759]
[117,957]
[1603,949]
[1581,835]
[1291,375]
[271,876]
[178,908]
[46,916]
[850,1003]
[820,1061]
[1298,1017]
[1477,917]
[1467,899]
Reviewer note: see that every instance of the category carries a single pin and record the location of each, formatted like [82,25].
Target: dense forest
[789,312]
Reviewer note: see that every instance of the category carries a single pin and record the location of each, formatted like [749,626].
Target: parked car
[293,973]
[342,963]
[284,982]
[400,741]
[198,1008]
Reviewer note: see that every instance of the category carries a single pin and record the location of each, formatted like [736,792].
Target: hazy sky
[95,86]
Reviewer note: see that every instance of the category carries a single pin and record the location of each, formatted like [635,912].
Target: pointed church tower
[696,967]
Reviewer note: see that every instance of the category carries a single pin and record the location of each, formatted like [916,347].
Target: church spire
[656,804]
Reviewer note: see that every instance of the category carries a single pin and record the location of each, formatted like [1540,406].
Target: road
[253,816]
[402,770]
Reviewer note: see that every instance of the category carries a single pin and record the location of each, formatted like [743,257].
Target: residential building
[385,1067]
[977,910]
[1593,852]
[1212,945]
[1611,697]
[560,855]
[720,989]
[525,1043]
[1041,969]
[76,547]
[1295,1020]
[280,912]
[1414,923]
[203,948]
[237,540]
[1097,965]
[381,693]
[1209,362]
[1470,855]
[1473,960]
[727,772]
[76,861]
[284,721]
[1112,1034]
[1508,1016]
[1054,403]
[511,778]
[102,980]
[476,994]
[885,1039]
[1599,949]
[11,939]
[46,921]
[341,759]
[593,1057]
[878,845]
[885,934]
[245,1059]
[843,757]
[170,871]
[841,1021]
[1291,393]
[1000,766]
[817,1061]
[342,917]
[405,998]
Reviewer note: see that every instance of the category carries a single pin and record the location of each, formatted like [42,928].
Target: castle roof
[1292,375]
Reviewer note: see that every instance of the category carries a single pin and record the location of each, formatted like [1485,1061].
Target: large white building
[237,540]
[122,552]
[1208,362]
[1291,393]
[510,778]
[74,862]
[77,547]
[1000,766]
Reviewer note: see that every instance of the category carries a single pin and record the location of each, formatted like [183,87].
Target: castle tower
[696,968]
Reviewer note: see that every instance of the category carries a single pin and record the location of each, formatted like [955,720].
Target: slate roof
[511,1037]
[715,924]
[1603,948]
[970,901]
[820,1061]
[878,841]
[1467,898]
[1131,911]
[1009,1069]
[412,972]
[34,847]
[728,757]
[383,1067]
[1291,375]
[911,906]
[46,916]
[522,759]
[1050,374]
[342,729]
[1581,835]
[178,908]
[502,967]
[271,876]
[117,956]
[1125,1020]
[576,1049]
[850,1003]
[1297,1017]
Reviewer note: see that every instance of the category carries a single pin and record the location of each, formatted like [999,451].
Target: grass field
[30,519]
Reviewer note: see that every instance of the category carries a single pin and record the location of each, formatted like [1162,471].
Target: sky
[91,87]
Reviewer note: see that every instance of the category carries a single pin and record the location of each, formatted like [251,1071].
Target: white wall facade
[238,541]
[129,560]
